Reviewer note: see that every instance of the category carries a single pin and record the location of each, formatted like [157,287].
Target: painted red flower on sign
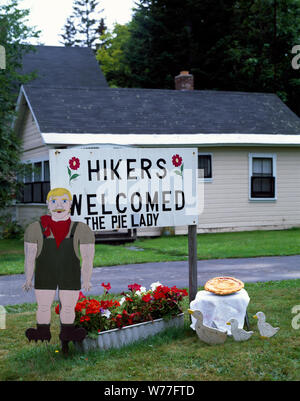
[74,163]
[176,160]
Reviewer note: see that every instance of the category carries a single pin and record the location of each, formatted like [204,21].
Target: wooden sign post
[192,244]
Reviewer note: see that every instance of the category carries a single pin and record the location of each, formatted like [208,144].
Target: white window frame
[32,162]
[211,161]
[272,156]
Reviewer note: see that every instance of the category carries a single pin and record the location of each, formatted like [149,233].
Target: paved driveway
[168,273]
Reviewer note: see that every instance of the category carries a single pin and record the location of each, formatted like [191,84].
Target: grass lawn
[210,246]
[174,355]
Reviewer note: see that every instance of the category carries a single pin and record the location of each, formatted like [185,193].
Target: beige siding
[33,145]
[226,199]
[33,149]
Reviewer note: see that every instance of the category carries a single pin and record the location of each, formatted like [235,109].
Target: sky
[49,16]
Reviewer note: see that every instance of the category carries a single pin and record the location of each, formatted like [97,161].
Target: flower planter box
[117,338]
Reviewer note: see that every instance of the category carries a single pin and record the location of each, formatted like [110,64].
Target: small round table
[218,309]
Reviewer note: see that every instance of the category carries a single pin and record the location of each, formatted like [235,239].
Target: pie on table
[223,285]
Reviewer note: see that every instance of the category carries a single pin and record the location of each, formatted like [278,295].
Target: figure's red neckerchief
[59,229]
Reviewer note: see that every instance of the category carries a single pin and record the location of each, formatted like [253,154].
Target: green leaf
[74,176]
[181,168]
[177,172]
[69,172]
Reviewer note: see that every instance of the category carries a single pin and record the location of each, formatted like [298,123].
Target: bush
[10,229]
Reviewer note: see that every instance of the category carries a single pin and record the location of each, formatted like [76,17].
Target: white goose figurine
[205,333]
[238,334]
[265,329]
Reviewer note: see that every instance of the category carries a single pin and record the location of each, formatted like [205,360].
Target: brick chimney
[184,81]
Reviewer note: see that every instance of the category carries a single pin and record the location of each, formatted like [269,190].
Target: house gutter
[172,139]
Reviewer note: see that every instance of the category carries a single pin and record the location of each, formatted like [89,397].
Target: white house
[248,143]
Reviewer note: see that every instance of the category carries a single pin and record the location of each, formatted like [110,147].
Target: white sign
[119,187]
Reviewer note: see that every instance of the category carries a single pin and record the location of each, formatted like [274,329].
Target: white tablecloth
[218,309]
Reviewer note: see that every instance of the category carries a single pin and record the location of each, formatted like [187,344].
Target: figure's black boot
[71,333]
[42,332]
[68,332]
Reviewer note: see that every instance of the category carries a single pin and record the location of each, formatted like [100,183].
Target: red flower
[106,304]
[159,295]
[57,309]
[74,163]
[134,287]
[106,286]
[81,296]
[176,160]
[78,307]
[84,319]
[146,298]
[93,307]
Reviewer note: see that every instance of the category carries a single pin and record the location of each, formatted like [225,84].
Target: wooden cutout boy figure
[51,255]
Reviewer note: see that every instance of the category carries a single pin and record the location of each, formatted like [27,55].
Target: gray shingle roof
[154,111]
[63,67]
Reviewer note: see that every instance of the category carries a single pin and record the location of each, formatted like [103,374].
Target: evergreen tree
[242,45]
[83,27]
[101,27]
[13,34]
[257,54]
[168,36]
[70,32]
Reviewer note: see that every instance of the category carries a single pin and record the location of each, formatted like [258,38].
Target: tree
[242,45]
[13,35]
[168,36]
[70,32]
[258,52]
[83,27]
[101,27]
[111,56]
